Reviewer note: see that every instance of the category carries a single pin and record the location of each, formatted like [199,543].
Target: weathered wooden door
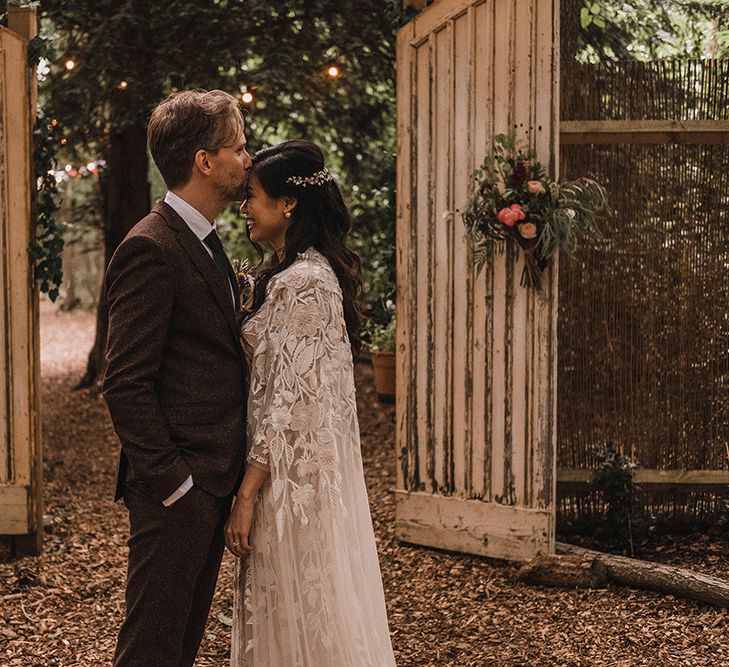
[20,456]
[476,355]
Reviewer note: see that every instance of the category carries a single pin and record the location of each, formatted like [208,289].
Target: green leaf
[585,17]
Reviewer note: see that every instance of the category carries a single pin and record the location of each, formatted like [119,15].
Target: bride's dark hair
[320,220]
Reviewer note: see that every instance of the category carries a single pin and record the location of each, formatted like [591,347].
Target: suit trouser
[174,559]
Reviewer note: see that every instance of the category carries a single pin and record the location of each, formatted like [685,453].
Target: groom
[176,382]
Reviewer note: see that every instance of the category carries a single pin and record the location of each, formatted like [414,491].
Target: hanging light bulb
[123,85]
[333,71]
[70,64]
[246,95]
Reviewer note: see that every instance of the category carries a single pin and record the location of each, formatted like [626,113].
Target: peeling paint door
[20,456]
[476,355]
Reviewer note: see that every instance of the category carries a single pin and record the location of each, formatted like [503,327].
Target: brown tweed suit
[176,388]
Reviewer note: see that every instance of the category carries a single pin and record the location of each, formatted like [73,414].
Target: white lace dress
[310,594]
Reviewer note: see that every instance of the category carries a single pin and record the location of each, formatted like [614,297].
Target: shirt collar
[195,220]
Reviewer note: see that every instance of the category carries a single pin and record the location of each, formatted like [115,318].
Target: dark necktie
[212,241]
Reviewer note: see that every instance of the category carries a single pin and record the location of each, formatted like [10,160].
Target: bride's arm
[238,527]
[298,379]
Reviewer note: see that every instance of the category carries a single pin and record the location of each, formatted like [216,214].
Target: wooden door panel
[476,372]
[20,445]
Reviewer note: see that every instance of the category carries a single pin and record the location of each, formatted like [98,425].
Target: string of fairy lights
[91,168]
[247,97]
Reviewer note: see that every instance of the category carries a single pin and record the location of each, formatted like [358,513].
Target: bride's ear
[289,204]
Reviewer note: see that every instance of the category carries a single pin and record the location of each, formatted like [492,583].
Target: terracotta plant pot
[383,364]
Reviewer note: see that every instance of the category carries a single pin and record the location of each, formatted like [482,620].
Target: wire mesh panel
[654,90]
[644,312]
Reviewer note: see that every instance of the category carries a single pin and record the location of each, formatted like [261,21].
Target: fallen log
[568,571]
[654,576]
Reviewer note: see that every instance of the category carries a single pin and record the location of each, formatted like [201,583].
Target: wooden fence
[20,442]
[643,328]
[476,355]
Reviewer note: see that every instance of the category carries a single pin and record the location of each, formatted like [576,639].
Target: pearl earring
[287,214]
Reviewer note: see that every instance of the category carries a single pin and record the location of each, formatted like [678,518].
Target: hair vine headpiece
[319,178]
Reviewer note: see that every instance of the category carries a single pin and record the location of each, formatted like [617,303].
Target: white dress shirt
[201,227]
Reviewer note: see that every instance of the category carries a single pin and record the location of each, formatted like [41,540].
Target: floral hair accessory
[319,178]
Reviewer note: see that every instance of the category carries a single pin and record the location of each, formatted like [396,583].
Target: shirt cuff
[181,491]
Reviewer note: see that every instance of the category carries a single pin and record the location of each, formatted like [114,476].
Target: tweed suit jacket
[176,379]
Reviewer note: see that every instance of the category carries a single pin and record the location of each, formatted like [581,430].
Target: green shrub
[624,522]
[380,337]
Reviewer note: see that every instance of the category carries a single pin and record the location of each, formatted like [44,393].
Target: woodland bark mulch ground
[63,609]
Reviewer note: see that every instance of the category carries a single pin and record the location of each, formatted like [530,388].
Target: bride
[308,587]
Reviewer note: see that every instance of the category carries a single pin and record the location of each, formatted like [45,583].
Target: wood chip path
[63,609]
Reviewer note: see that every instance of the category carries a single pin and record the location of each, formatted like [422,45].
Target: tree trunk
[68,300]
[126,200]
[654,576]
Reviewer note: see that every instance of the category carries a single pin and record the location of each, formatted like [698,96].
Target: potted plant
[380,342]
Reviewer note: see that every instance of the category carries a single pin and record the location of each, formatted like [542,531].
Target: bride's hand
[238,528]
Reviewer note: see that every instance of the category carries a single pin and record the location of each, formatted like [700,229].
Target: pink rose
[535,187]
[528,230]
[510,216]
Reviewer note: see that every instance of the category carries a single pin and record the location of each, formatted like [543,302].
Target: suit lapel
[203,262]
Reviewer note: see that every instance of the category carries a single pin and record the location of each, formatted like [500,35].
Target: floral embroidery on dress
[314,549]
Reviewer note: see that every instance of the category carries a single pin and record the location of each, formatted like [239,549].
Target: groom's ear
[202,162]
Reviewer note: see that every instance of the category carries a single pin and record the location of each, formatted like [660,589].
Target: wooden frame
[655,479]
[470,526]
[644,132]
[615,132]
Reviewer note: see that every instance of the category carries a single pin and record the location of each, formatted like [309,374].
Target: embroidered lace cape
[311,593]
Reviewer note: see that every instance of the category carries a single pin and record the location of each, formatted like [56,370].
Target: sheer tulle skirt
[313,598]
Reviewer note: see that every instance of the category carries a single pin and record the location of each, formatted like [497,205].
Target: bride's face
[265,217]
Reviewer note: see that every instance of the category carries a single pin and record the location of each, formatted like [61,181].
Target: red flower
[510,216]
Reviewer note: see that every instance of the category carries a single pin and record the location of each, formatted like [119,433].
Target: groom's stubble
[234,168]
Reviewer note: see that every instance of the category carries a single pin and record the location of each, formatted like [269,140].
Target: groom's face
[231,165]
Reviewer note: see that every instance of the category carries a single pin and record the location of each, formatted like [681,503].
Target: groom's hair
[187,122]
